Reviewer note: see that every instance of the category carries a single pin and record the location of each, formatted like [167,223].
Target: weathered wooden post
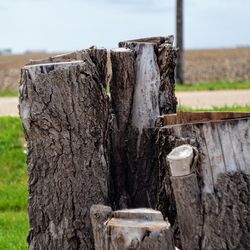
[65,114]
[141,229]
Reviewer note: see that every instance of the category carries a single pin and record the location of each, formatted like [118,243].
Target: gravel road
[8,105]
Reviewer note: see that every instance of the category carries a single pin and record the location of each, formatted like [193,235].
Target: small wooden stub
[180,160]
[138,229]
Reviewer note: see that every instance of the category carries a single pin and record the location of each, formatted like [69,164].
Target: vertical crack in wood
[154,74]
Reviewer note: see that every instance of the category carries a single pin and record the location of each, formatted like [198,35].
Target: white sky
[65,25]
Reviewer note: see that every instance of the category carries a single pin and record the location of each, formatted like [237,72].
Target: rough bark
[227,214]
[93,55]
[153,94]
[182,161]
[99,215]
[65,112]
[121,89]
[188,204]
[167,56]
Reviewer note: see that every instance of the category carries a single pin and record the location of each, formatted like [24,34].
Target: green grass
[13,185]
[225,85]
[213,86]
[8,93]
[235,108]
[13,230]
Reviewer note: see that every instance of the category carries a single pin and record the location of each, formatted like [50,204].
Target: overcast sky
[65,25]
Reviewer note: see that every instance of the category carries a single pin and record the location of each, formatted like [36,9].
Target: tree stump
[152,87]
[132,229]
[84,149]
[65,114]
[220,182]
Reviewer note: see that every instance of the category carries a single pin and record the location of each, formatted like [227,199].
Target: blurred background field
[211,69]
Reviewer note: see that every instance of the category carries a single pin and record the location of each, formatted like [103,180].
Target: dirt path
[8,105]
[200,99]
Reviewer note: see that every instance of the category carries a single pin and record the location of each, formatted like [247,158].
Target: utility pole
[179,42]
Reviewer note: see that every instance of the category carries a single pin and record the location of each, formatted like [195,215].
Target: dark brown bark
[188,204]
[121,89]
[153,95]
[167,56]
[65,114]
[227,214]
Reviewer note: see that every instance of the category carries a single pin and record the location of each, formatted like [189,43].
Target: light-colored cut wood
[146,104]
[214,150]
[225,137]
[223,141]
[138,229]
[139,213]
[180,160]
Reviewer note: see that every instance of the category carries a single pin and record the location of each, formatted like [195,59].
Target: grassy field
[180,88]
[10,66]
[8,93]
[236,108]
[216,65]
[13,185]
[213,86]
[201,66]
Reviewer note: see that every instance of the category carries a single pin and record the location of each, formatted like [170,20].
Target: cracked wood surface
[138,229]
[65,113]
[121,89]
[153,95]
[221,181]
